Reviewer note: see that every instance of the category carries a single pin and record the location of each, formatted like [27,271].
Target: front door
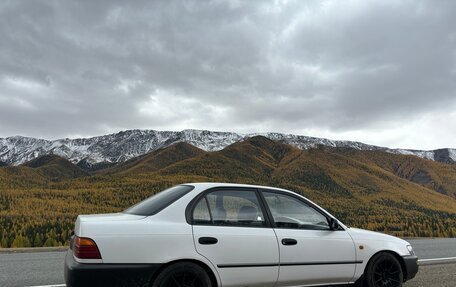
[231,230]
[310,252]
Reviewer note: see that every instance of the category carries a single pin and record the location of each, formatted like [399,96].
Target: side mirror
[333,224]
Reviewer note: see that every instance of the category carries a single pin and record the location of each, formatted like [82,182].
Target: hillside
[39,172]
[156,160]
[399,194]
[433,175]
[55,167]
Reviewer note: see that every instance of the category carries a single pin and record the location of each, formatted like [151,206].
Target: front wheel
[384,270]
[183,274]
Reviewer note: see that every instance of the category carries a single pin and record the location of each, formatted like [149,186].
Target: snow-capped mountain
[125,145]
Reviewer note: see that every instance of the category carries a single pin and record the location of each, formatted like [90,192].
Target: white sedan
[218,234]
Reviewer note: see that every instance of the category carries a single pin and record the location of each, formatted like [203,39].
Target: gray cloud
[343,69]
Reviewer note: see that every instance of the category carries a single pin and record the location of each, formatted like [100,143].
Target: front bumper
[100,274]
[411,266]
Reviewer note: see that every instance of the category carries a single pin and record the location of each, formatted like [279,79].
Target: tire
[182,274]
[384,270]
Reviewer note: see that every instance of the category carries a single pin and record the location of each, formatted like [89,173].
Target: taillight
[85,248]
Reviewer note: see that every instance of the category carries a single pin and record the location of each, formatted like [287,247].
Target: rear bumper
[411,267]
[83,274]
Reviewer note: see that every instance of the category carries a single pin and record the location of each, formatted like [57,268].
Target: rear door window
[230,208]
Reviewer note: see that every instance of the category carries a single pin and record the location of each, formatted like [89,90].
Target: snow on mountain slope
[124,145]
[427,154]
[452,153]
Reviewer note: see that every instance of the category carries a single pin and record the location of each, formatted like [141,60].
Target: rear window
[159,201]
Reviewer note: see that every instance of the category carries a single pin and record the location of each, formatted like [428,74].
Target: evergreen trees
[21,241]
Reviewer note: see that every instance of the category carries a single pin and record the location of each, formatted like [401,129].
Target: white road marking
[437,259]
[57,285]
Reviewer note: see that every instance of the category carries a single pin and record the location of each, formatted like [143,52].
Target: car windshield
[159,201]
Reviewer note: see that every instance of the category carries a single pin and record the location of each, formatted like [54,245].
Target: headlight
[410,249]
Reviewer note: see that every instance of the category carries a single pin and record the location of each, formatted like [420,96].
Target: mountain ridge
[101,151]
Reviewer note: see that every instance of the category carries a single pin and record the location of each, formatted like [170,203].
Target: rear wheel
[182,274]
[384,270]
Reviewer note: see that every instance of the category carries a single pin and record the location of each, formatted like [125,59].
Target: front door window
[290,212]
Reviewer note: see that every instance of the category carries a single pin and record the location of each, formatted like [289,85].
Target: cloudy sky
[380,72]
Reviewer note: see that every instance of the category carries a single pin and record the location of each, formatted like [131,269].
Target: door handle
[207,240]
[289,241]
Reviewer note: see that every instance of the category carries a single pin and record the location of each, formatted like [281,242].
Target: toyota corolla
[213,234]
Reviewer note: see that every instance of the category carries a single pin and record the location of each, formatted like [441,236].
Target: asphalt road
[440,275]
[46,268]
[31,269]
[434,248]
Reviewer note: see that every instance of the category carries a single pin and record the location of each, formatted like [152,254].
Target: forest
[396,194]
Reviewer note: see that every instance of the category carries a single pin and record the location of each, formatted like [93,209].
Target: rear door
[231,230]
[310,252]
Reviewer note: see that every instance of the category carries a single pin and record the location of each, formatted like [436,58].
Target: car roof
[206,185]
